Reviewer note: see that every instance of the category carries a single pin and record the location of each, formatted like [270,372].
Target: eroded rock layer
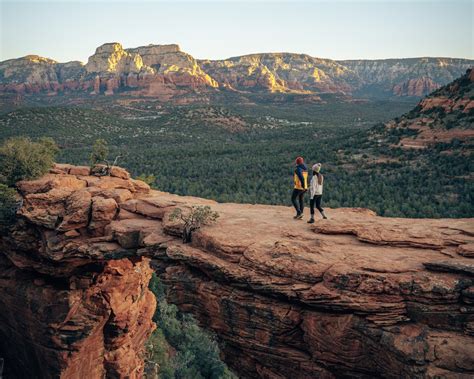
[74,303]
[353,296]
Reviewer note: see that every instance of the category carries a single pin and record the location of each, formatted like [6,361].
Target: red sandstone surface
[74,303]
[356,295]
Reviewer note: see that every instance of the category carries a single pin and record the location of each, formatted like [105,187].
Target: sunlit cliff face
[156,70]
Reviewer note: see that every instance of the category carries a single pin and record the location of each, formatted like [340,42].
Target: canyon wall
[74,302]
[353,296]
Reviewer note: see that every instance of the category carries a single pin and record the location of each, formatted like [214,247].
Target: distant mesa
[166,72]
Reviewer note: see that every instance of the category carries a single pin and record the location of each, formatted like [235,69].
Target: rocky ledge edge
[355,295]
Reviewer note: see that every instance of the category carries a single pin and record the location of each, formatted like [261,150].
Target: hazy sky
[69,30]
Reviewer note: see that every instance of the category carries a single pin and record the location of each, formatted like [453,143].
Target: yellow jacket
[300,177]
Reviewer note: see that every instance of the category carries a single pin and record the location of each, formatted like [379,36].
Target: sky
[70,30]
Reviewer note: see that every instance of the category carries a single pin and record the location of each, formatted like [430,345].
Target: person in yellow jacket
[300,180]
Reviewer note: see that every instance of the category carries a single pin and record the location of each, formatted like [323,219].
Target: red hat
[299,160]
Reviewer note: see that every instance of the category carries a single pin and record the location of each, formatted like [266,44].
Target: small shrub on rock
[100,152]
[198,216]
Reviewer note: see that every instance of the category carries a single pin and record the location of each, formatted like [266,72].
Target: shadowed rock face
[353,296]
[74,303]
[415,87]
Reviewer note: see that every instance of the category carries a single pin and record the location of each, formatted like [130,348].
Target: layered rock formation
[408,77]
[442,117]
[33,74]
[415,87]
[165,72]
[153,70]
[353,296]
[74,302]
[282,72]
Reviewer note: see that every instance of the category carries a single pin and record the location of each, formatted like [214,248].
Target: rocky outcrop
[165,72]
[153,70]
[30,74]
[353,296]
[445,115]
[111,57]
[75,303]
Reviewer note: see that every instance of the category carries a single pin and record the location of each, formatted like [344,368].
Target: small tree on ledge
[100,152]
[198,216]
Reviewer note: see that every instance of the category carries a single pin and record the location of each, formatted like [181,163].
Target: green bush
[100,152]
[8,205]
[21,158]
[197,216]
[197,352]
[149,179]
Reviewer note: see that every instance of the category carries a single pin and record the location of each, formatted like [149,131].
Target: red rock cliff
[74,302]
[353,296]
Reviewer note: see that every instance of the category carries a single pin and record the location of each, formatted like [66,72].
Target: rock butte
[353,296]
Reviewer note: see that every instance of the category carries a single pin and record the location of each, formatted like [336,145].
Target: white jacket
[314,187]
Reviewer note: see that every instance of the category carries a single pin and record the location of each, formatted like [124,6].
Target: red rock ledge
[353,296]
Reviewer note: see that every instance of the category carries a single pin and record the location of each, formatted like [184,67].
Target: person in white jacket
[316,192]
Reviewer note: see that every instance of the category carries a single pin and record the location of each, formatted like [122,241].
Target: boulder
[50,181]
[80,170]
[46,209]
[119,172]
[103,212]
[77,211]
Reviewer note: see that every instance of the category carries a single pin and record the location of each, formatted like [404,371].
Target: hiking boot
[311,221]
[324,215]
[299,217]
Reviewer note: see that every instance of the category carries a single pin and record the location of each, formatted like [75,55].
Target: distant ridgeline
[165,72]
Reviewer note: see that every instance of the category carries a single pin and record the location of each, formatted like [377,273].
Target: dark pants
[297,198]
[316,202]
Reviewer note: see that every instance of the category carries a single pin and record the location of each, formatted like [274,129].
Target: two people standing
[300,179]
